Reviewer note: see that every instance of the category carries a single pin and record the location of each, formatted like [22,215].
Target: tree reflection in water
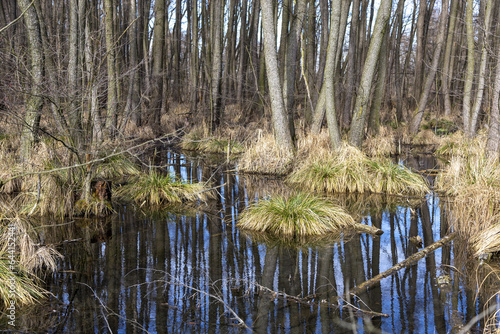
[129,268]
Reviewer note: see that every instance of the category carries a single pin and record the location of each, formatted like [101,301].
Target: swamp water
[186,270]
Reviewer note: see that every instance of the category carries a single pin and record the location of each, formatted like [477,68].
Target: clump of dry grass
[487,240]
[349,170]
[458,145]
[199,140]
[265,157]
[295,215]
[313,145]
[383,144]
[176,118]
[426,137]
[19,264]
[157,189]
[473,184]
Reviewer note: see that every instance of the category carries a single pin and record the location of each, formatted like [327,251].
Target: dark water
[187,270]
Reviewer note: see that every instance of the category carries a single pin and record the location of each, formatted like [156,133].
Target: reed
[296,215]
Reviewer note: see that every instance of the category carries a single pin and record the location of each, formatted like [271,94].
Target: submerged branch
[409,261]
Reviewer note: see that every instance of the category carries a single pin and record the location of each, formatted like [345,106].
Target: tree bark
[422,103]
[470,69]
[482,67]
[290,64]
[279,117]
[446,77]
[331,112]
[112,103]
[216,73]
[34,101]
[492,144]
[363,97]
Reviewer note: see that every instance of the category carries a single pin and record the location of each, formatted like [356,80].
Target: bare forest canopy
[88,71]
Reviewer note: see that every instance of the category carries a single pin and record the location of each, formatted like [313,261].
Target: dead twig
[409,261]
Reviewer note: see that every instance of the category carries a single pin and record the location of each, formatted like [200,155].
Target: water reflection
[173,273]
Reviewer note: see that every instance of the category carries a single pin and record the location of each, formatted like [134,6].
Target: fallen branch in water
[362,228]
[409,261]
[308,301]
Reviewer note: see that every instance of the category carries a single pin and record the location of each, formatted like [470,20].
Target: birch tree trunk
[361,106]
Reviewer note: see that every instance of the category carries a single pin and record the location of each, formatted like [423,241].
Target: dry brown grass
[383,144]
[176,118]
[458,145]
[473,185]
[313,145]
[349,170]
[265,157]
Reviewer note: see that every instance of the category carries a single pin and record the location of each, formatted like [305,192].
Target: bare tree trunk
[482,67]
[447,58]
[374,119]
[158,65]
[363,97]
[290,64]
[74,106]
[331,112]
[422,103]
[470,69]
[34,101]
[420,52]
[112,82]
[243,55]
[279,117]
[492,144]
[132,106]
[216,79]
[352,70]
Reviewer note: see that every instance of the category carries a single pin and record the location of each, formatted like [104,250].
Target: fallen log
[403,264]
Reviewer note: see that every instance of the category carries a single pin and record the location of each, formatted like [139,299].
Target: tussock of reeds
[265,157]
[295,216]
[157,189]
[348,170]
